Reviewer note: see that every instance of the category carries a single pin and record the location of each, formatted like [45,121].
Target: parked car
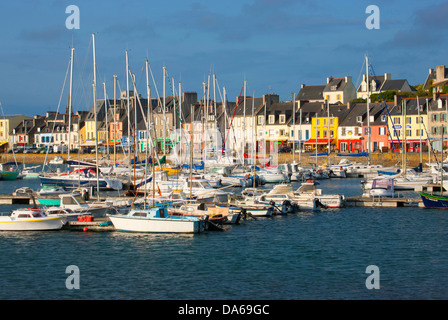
[284,149]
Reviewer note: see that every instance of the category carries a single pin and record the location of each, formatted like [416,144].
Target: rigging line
[388,113]
[57,112]
[234,111]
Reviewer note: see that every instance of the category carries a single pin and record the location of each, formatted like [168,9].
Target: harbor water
[313,255]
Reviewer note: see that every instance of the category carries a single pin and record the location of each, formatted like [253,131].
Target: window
[282,118]
[327,97]
[324,133]
[331,121]
[396,120]
[317,122]
[338,97]
[343,131]
[271,119]
[331,134]
[359,119]
[383,118]
[282,132]
[260,120]
[408,120]
[408,133]
[318,134]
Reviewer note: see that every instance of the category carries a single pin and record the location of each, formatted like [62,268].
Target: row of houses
[319,116]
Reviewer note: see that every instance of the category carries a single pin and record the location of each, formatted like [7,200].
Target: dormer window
[282,118]
[333,88]
[359,119]
[271,119]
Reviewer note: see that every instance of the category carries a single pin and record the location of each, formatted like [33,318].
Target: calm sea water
[322,255]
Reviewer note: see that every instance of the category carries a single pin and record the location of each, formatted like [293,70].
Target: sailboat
[436,201]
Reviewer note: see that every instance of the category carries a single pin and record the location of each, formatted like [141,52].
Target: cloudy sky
[275,45]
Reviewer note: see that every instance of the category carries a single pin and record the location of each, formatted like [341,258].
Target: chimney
[387,76]
[349,105]
[329,79]
[302,86]
[440,73]
[431,70]
[348,79]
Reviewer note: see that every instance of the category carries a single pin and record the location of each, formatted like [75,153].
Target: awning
[318,141]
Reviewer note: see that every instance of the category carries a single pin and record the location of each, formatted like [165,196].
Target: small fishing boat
[9,171]
[77,204]
[157,220]
[215,220]
[434,201]
[30,219]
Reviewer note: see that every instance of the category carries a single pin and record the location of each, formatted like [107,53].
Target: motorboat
[302,202]
[77,204]
[157,220]
[30,219]
[308,188]
[215,220]
[382,187]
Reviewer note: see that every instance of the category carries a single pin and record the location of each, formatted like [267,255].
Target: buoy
[85,229]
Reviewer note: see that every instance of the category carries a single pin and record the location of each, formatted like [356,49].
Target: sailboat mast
[164,107]
[96,118]
[368,108]
[107,128]
[420,130]
[70,104]
[244,121]
[293,126]
[115,119]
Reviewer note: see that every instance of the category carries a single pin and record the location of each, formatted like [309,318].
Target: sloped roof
[311,92]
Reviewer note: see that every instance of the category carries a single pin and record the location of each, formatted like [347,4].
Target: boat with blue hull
[434,201]
[85,177]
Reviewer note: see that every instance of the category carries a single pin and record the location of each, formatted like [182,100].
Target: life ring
[247,177]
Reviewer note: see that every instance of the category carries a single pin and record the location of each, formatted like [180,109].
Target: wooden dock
[383,202]
[10,199]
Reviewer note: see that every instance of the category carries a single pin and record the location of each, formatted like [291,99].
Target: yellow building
[324,128]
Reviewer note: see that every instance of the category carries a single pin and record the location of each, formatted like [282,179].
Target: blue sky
[275,45]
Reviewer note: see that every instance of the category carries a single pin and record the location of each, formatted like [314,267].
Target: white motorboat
[382,187]
[157,220]
[308,188]
[30,219]
[304,201]
[78,205]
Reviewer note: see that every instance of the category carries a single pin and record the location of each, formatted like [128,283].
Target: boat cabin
[151,213]
[28,214]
